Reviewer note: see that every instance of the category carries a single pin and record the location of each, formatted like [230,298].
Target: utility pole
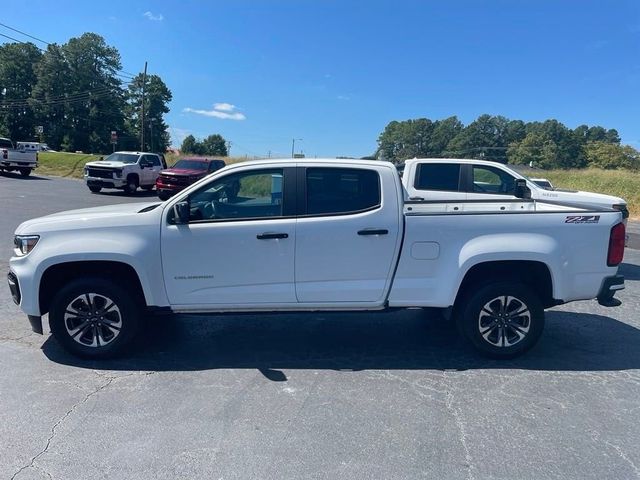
[269,154]
[144,82]
[151,134]
[229,143]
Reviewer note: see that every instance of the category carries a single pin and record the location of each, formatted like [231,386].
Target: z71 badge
[582,219]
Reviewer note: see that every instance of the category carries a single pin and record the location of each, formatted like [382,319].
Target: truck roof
[455,160]
[302,161]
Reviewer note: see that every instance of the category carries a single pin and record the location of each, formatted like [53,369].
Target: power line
[16,40]
[123,74]
[25,34]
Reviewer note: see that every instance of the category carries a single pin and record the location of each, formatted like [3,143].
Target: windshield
[122,157]
[190,165]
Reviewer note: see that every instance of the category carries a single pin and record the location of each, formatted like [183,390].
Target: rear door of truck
[348,232]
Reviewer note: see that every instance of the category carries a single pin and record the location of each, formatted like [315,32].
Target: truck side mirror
[521,190]
[181,212]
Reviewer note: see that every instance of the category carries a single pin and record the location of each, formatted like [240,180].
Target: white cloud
[224,107]
[222,110]
[152,17]
[343,97]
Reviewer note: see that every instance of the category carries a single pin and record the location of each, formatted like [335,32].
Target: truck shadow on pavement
[138,194]
[403,340]
[17,176]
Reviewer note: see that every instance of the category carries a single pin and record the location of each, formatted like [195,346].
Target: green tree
[486,137]
[17,79]
[609,155]
[190,146]
[157,98]
[535,149]
[568,150]
[214,145]
[78,96]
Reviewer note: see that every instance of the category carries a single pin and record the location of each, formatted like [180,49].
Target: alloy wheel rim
[504,321]
[93,320]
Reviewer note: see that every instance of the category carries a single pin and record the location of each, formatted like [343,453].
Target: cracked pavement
[323,396]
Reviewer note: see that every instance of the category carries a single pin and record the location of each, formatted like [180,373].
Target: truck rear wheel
[502,319]
[94,318]
[25,172]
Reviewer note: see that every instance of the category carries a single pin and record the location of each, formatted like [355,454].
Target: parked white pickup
[20,159]
[283,235]
[463,179]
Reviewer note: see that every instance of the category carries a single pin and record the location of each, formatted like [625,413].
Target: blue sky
[334,73]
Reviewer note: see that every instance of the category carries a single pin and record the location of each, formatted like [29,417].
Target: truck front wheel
[502,319]
[132,184]
[94,318]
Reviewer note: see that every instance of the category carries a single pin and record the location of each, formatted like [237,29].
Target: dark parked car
[185,172]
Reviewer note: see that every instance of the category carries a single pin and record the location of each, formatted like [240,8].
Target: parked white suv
[123,170]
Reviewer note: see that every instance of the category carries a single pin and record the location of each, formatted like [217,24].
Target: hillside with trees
[548,144]
[78,93]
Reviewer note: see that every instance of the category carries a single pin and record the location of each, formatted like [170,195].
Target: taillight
[5,154]
[616,245]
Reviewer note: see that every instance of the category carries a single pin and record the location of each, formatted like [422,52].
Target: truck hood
[183,172]
[111,215]
[578,197]
[102,163]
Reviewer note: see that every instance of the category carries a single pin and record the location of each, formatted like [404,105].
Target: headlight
[23,244]
[118,173]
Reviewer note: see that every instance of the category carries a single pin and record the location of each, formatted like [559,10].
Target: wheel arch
[535,274]
[58,274]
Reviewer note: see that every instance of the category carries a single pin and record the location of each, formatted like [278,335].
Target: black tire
[132,184]
[81,334]
[502,320]
[95,189]
[147,188]
[163,195]
[25,172]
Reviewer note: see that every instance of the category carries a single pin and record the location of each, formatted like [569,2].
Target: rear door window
[438,176]
[339,191]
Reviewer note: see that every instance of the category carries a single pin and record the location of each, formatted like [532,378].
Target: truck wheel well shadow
[534,274]
[57,275]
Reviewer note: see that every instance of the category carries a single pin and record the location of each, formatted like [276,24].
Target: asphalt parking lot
[322,396]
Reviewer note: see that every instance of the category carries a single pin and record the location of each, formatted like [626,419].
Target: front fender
[131,250]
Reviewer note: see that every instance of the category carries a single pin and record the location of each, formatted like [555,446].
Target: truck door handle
[373,231]
[271,236]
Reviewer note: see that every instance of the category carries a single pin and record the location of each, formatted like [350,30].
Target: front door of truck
[238,247]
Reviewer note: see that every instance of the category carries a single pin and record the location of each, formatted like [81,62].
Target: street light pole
[293,146]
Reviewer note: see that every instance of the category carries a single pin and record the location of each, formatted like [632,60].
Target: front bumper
[14,288]
[172,188]
[105,182]
[610,286]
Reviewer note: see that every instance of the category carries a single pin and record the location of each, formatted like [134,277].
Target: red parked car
[185,172]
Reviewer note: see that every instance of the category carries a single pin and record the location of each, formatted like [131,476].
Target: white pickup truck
[283,235]
[20,159]
[124,170]
[439,179]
